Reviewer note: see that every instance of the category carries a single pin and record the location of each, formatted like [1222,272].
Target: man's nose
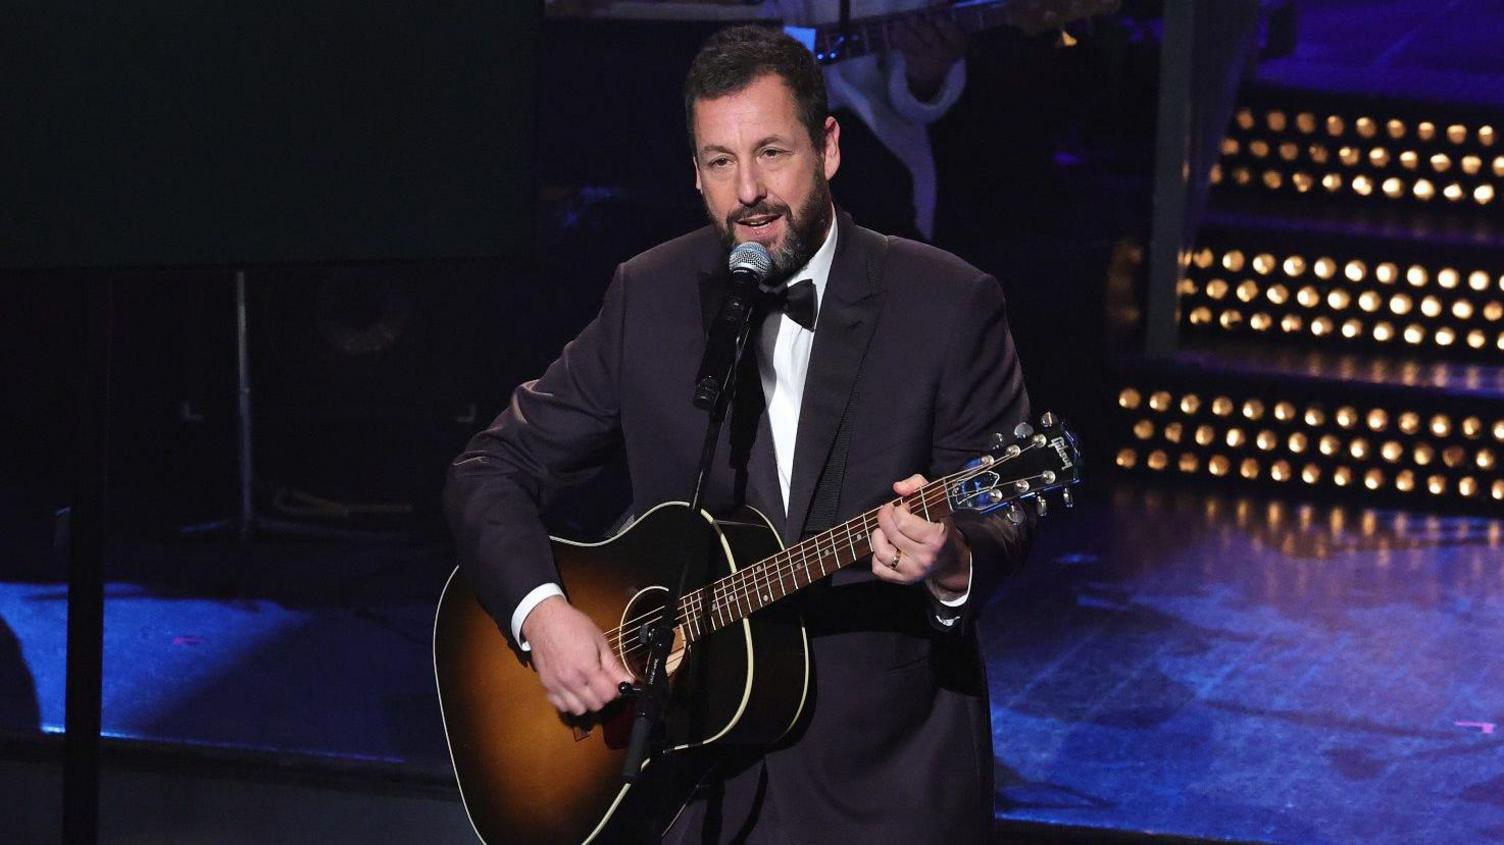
[749,186]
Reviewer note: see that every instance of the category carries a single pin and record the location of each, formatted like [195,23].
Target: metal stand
[246,523]
[86,525]
[713,391]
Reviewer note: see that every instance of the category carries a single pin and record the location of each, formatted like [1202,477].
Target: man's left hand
[929,46]
[907,548]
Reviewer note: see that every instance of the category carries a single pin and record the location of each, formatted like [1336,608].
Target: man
[895,743]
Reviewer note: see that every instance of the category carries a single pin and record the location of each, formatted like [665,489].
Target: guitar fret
[741,595]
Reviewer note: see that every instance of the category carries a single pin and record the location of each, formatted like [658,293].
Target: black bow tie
[797,301]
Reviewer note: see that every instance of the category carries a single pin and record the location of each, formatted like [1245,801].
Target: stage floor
[1254,670]
[1171,662]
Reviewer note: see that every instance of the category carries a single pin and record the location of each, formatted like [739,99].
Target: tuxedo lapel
[713,283]
[848,315]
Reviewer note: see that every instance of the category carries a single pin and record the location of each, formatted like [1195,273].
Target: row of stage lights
[1327,298]
[1378,449]
[1394,159]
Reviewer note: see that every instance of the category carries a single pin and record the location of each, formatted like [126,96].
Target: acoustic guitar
[739,667]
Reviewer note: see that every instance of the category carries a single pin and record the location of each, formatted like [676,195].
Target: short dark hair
[733,57]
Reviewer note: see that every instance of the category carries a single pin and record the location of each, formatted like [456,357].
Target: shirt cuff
[908,106]
[532,600]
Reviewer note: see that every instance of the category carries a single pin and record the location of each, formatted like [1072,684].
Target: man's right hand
[578,668]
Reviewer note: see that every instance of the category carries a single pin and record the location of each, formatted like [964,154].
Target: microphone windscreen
[752,257]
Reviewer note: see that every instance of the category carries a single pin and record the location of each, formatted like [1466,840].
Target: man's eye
[719,162]
[770,153]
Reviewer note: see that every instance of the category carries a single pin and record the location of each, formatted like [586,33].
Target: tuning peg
[1015,514]
[1048,420]
[1068,497]
[1042,505]
[999,440]
[1023,430]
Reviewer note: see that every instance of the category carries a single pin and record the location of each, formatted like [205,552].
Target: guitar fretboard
[870,35]
[738,595]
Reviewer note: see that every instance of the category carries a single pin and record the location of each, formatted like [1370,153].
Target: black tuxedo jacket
[896,745]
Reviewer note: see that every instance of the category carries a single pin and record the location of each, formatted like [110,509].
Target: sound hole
[645,607]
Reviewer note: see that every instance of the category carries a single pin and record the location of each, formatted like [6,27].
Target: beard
[803,236]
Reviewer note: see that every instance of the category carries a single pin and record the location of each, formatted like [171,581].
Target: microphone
[750,263]
[750,266]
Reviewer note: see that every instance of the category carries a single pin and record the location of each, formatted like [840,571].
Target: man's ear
[832,147]
[695,164]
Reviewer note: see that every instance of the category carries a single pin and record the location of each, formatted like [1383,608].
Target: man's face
[761,177]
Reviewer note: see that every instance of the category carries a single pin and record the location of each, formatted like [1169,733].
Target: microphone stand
[713,391]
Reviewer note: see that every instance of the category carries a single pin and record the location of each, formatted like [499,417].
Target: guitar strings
[736,592]
[639,646]
[635,647]
[740,586]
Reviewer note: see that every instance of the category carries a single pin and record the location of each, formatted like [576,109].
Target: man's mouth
[758,221]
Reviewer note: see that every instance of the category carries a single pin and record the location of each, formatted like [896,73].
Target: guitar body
[529,774]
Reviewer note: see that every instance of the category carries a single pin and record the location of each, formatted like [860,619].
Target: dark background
[186,133]
[427,204]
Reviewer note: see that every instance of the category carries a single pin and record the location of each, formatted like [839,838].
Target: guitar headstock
[1022,467]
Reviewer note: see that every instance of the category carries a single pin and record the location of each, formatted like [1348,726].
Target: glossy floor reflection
[1253,670]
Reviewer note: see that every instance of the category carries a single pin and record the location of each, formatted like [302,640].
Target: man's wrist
[951,586]
[953,582]
[526,607]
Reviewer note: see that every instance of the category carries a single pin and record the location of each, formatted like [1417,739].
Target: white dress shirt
[783,363]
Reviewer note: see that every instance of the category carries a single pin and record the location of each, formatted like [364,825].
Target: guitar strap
[822,508]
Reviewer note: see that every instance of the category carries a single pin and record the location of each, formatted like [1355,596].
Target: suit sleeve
[981,392]
[556,431]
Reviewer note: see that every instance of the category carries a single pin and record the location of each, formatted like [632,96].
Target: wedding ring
[897,556]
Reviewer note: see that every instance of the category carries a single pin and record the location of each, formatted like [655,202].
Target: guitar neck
[870,35]
[751,588]
[831,43]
